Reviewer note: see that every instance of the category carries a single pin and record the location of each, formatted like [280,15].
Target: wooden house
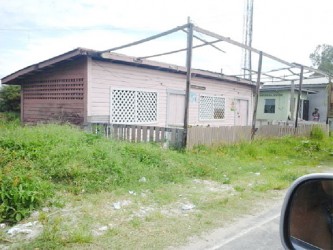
[314,95]
[84,86]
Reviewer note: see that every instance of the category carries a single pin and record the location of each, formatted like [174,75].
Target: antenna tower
[247,38]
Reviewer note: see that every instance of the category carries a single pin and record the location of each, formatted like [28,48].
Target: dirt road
[254,231]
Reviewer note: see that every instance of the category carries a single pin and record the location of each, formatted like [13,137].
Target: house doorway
[306,105]
[175,108]
[241,112]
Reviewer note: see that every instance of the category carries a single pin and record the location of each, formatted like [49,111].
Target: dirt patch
[193,207]
[107,211]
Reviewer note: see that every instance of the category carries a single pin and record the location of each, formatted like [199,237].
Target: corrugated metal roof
[284,88]
[309,81]
[118,58]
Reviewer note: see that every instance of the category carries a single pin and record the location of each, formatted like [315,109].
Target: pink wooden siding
[57,93]
[104,75]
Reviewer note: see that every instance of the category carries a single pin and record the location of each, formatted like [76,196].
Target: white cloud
[35,30]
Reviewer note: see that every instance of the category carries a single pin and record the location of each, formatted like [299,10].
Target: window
[269,106]
[133,106]
[211,108]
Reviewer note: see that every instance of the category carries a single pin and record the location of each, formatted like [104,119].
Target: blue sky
[35,30]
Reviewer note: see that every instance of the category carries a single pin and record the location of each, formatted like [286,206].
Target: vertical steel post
[188,79]
[292,100]
[329,98]
[254,118]
[299,95]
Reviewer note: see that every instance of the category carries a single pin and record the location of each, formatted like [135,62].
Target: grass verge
[105,194]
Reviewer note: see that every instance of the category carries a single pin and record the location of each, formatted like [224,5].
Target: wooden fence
[217,135]
[198,135]
[136,133]
[235,134]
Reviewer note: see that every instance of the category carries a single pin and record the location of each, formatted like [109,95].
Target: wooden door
[241,112]
[175,109]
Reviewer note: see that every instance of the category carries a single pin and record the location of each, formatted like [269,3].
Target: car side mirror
[307,213]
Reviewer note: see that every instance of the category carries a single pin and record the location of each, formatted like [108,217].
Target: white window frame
[136,90]
[212,119]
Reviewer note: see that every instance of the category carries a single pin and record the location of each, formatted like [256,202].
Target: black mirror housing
[307,213]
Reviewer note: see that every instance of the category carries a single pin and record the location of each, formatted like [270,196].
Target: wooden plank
[139,134]
[144,40]
[162,135]
[114,132]
[228,40]
[122,132]
[158,134]
[133,133]
[173,136]
[128,132]
[144,134]
[151,133]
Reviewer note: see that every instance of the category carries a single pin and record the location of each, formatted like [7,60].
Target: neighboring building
[314,95]
[82,86]
[274,104]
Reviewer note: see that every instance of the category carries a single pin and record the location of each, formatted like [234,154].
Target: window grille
[54,89]
[211,108]
[132,106]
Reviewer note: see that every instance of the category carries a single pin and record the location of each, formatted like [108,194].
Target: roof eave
[121,59]
[10,79]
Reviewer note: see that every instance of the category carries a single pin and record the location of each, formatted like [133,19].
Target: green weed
[317,133]
[38,161]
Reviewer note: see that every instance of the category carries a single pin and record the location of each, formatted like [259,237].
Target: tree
[10,98]
[322,58]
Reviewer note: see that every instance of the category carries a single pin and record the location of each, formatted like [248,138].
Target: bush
[20,194]
[8,119]
[21,191]
[317,133]
[10,98]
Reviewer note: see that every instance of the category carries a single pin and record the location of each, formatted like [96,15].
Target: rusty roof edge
[46,63]
[121,58]
[160,65]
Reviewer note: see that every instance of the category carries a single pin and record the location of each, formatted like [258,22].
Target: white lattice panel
[146,106]
[219,107]
[123,106]
[206,107]
[211,107]
[130,106]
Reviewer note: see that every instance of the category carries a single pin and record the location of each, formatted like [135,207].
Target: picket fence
[169,137]
[172,137]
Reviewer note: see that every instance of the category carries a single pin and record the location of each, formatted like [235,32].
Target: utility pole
[188,77]
[254,118]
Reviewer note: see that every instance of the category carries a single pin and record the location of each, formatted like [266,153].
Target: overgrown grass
[44,160]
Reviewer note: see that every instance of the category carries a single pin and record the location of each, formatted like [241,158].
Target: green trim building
[278,103]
